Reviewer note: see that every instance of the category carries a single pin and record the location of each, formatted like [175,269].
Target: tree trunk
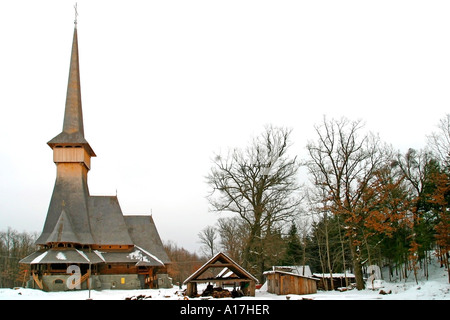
[328,251]
[253,252]
[343,253]
[360,285]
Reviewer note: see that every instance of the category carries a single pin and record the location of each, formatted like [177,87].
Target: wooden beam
[38,282]
[220,265]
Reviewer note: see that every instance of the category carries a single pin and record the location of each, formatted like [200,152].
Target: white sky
[165,84]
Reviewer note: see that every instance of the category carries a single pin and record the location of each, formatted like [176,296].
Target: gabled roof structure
[221,268]
[220,260]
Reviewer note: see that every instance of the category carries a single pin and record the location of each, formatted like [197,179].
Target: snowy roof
[219,260]
[335,275]
[61,256]
[300,270]
[137,255]
[288,273]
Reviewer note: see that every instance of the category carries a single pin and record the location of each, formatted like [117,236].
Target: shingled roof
[107,222]
[144,234]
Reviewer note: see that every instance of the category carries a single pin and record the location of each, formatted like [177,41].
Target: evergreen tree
[294,248]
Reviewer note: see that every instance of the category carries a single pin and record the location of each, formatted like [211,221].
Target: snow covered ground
[435,288]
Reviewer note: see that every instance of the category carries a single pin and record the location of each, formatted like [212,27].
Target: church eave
[71,140]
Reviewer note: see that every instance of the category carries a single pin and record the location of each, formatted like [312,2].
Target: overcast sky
[166,84]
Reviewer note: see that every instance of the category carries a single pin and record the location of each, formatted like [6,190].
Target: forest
[352,202]
[362,202]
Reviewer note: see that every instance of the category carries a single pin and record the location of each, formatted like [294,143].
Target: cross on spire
[76,14]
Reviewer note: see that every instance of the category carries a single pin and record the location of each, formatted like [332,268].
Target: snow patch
[99,254]
[39,258]
[83,255]
[147,253]
[61,256]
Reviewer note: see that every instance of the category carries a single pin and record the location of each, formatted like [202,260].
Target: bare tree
[13,247]
[259,184]
[233,236]
[439,142]
[341,164]
[317,200]
[208,238]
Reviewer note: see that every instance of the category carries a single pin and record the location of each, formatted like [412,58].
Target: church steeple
[73,117]
[68,214]
[73,128]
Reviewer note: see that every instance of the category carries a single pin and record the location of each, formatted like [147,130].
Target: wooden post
[191,289]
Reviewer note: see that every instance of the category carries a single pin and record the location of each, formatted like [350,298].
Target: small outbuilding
[336,280]
[221,270]
[282,282]
[300,270]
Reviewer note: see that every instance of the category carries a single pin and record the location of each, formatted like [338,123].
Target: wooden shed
[339,280]
[282,283]
[221,270]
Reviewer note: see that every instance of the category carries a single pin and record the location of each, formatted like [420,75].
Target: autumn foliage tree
[183,263]
[386,206]
[342,163]
[440,199]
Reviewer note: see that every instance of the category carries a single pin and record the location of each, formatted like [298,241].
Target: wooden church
[86,241]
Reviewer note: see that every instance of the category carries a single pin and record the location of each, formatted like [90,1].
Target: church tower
[89,234]
[68,218]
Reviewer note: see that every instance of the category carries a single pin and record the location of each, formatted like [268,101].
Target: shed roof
[221,260]
[334,275]
[289,274]
[300,270]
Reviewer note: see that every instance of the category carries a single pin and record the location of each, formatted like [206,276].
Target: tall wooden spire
[73,117]
[73,128]
[68,214]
